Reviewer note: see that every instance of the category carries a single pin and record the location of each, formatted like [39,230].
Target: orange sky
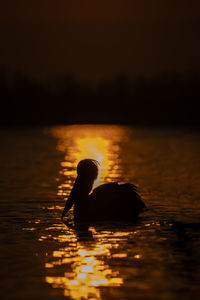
[98,39]
[98,10]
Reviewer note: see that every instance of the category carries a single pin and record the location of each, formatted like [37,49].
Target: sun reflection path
[88,262]
[89,270]
[99,142]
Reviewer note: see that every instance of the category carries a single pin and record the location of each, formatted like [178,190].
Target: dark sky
[97,39]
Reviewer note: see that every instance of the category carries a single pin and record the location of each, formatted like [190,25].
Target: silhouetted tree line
[169,98]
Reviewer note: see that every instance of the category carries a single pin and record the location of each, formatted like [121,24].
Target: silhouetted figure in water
[110,201]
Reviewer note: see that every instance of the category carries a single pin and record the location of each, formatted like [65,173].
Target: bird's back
[113,201]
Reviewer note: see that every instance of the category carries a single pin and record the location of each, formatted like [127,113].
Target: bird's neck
[83,185]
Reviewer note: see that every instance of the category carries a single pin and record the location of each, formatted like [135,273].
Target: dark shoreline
[169,99]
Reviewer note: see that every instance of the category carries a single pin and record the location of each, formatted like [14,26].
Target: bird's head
[87,171]
[88,168]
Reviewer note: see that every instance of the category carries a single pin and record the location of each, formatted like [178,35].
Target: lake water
[156,258]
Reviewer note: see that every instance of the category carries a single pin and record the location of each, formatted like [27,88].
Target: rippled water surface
[158,257]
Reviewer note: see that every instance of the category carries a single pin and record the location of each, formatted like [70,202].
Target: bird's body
[113,201]
[107,202]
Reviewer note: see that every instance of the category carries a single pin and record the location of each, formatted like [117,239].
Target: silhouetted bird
[110,201]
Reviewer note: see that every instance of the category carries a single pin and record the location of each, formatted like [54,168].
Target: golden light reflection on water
[86,141]
[89,263]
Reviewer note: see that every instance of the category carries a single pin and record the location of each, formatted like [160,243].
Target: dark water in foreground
[156,258]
